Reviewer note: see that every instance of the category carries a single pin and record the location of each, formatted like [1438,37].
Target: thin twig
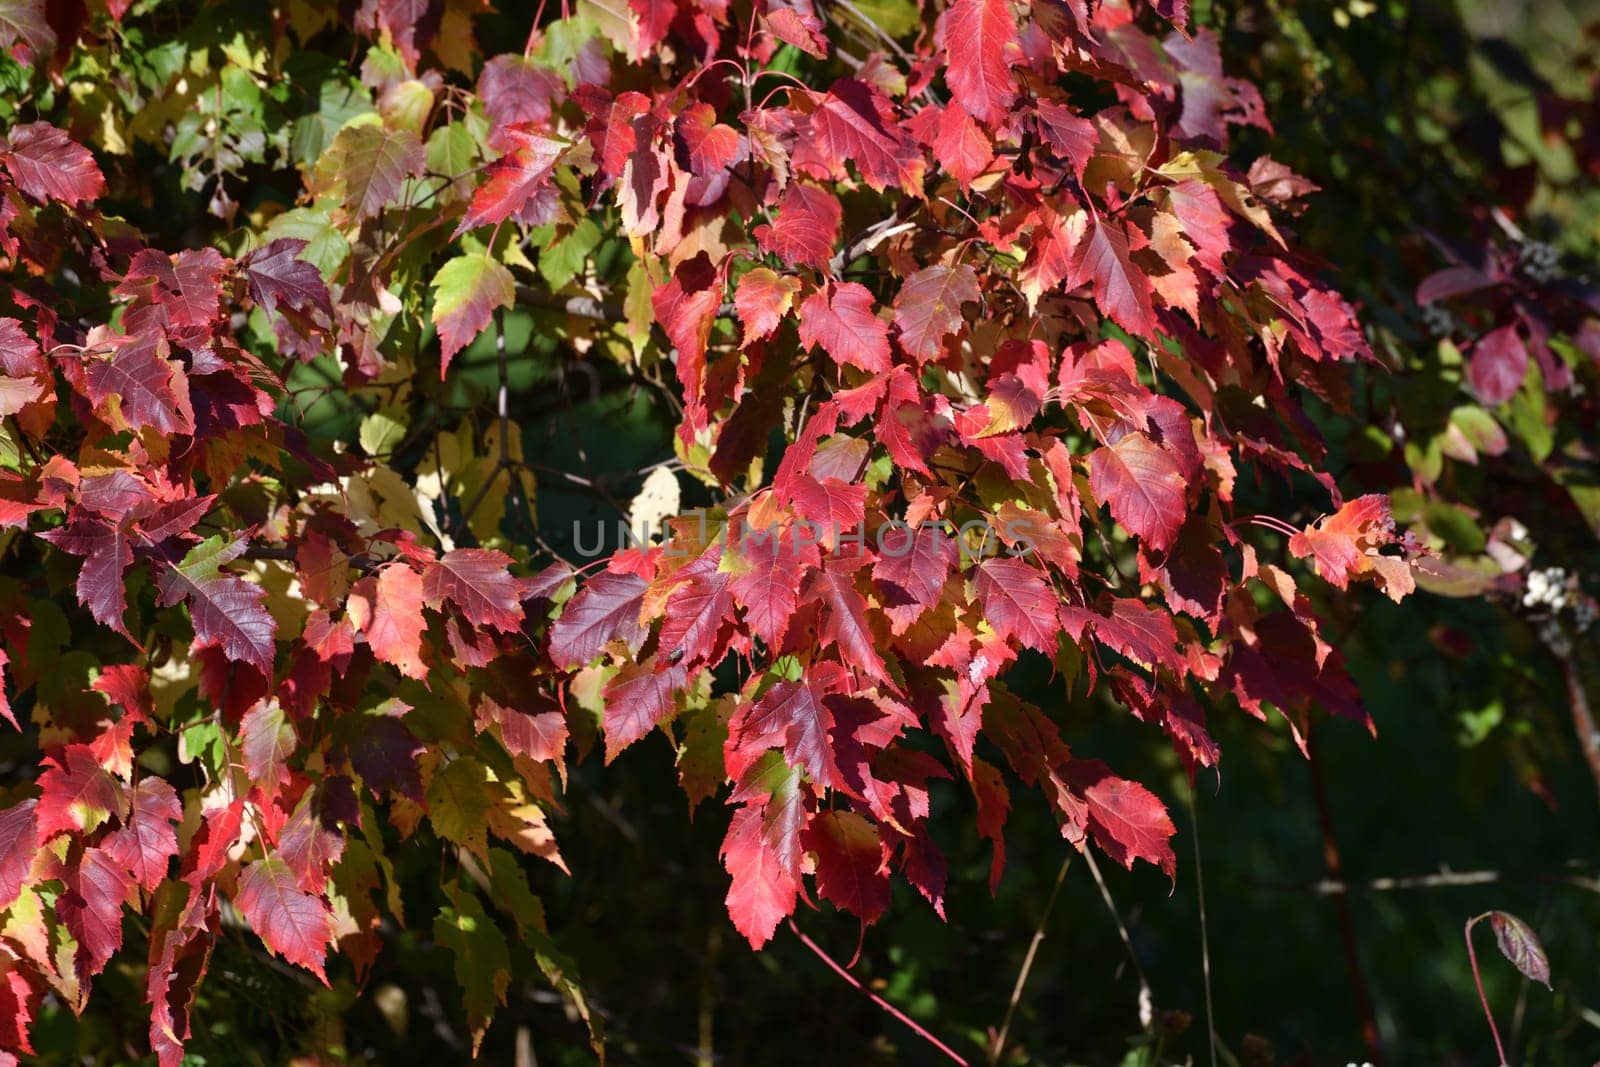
[1145,996]
[879,1001]
[1472,958]
[1347,927]
[998,1045]
[583,307]
[1328,887]
[1205,937]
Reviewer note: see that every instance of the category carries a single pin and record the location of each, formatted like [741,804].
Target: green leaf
[562,261]
[460,796]
[467,290]
[483,961]
[382,431]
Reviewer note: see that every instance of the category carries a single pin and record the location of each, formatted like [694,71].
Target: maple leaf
[977,37]
[1348,544]
[483,961]
[799,28]
[1018,602]
[5,700]
[19,839]
[25,32]
[98,886]
[1205,222]
[705,145]
[266,741]
[687,308]
[187,287]
[807,228]
[384,753]
[764,889]
[850,863]
[277,277]
[466,292]
[639,699]
[1144,487]
[107,549]
[695,613]
[767,566]
[928,308]
[395,623]
[1498,366]
[76,793]
[148,840]
[961,146]
[1120,289]
[1072,136]
[844,620]
[1142,633]
[1127,820]
[515,90]
[605,609]
[853,121]
[514,179]
[48,165]
[226,611]
[537,735]
[795,716]
[372,162]
[762,300]
[292,923]
[839,319]
[477,582]
[913,565]
[150,389]
[460,795]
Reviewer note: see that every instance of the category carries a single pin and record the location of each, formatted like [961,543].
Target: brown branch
[1582,715]
[583,307]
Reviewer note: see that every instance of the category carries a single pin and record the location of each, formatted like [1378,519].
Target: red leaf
[928,308]
[1499,365]
[1120,289]
[913,564]
[840,319]
[19,839]
[762,300]
[516,90]
[794,716]
[144,846]
[1205,222]
[5,701]
[1142,633]
[152,391]
[513,179]
[76,793]
[807,227]
[977,35]
[187,288]
[1073,137]
[266,741]
[1018,602]
[707,146]
[637,700]
[226,611]
[799,28]
[47,165]
[850,863]
[855,122]
[764,890]
[606,608]
[396,624]
[1519,944]
[291,922]
[1144,487]
[844,620]
[108,553]
[695,613]
[276,276]
[961,146]
[687,307]
[1127,820]
[478,582]
[98,885]
[767,570]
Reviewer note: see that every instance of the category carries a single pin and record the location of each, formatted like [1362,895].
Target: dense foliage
[934,358]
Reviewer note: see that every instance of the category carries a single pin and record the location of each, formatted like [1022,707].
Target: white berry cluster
[1546,588]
